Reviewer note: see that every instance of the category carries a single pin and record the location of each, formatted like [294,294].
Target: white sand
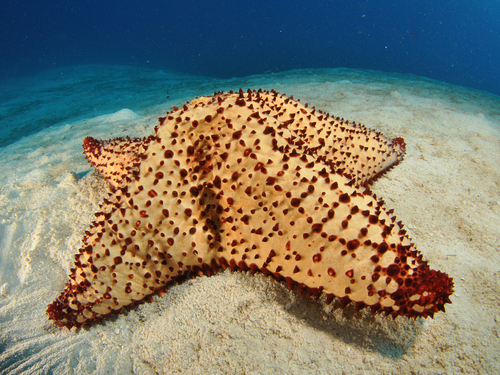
[446,191]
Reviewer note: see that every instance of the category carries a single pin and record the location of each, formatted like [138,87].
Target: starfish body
[252,181]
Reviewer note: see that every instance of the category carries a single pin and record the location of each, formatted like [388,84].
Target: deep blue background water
[453,41]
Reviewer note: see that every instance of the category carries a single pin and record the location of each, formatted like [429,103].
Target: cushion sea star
[254,181]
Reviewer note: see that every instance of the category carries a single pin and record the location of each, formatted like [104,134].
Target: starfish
[252,181]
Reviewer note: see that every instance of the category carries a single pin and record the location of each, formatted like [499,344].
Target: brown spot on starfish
[252,181]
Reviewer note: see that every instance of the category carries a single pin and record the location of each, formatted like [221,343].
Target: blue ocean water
[453,41]
[456,41]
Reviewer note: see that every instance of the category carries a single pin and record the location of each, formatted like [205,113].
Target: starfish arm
[349,148]
[117,160]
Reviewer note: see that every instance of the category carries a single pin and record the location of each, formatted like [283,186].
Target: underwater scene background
[425,71]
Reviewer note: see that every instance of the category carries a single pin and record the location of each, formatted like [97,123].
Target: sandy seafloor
[446,192]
